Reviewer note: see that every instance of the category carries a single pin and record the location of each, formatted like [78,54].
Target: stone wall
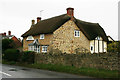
[102,61]
[65,41]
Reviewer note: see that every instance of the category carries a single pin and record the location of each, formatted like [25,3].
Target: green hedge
[15,55]
[11,55]
[28,57]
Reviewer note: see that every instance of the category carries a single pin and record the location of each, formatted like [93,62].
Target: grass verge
[98,73]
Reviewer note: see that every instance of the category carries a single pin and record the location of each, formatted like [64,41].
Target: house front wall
[46,41]
[65,41]
[99,46]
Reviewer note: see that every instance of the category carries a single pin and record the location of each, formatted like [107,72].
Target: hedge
[28,56]
[11,55]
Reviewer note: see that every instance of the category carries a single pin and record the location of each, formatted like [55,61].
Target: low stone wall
[102,61]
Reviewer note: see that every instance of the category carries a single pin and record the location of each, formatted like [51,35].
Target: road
[10,71]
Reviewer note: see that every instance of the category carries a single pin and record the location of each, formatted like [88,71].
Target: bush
[28,56]
[6,44]
[113,47]
[11,55]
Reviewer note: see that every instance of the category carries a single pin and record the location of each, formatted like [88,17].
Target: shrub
[113,47]
[6,44]
[11,55]
[28,56]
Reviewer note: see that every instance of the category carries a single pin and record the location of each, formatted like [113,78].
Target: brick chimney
[9,32]
[33,22]
[70,11]
[4,34]
[38,19]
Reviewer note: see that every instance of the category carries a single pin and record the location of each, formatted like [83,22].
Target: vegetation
[27,56]
[6,44]
[98,73]
[113,47]
[11,55]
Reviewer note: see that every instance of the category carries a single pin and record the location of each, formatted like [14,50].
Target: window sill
[30,40]
[44,51]
[76,36]
[41,39]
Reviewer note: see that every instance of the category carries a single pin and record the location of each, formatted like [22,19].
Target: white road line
[5,73]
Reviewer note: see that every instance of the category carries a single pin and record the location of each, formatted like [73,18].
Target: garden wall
[102,61]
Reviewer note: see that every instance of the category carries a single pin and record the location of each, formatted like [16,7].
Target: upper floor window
[30,38]
[98,38]
[42,36]
[77,33]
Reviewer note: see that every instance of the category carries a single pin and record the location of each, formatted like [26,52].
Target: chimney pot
[4,33]
[33,22]
[9,32]
[38,19]
[70,11]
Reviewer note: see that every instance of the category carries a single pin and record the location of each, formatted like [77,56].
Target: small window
[91,48]
[77,33]
[44,48]
[30,38]
[42,36]
[98,38]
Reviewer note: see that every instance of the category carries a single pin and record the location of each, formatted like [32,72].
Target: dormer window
[98,38]
[42,36]
[77,33]
[30,38]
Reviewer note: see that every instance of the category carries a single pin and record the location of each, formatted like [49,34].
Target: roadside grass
[97,73]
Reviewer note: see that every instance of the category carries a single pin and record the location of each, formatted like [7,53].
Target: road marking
[5,73]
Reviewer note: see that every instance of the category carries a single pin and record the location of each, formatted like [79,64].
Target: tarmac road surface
[10,71]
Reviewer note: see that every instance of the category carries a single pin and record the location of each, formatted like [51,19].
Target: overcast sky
[16,15]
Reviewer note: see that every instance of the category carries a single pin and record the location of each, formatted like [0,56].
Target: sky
[16,15]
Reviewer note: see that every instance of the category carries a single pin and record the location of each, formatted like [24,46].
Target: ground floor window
[91,48]
[44,48]
[34,48]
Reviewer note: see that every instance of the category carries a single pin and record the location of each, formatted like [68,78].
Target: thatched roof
[90,30]
[47,26]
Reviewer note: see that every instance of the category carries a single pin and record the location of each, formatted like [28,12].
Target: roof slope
[47,26]
[91,30]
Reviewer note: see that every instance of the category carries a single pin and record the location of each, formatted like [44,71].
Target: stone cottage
[65,33]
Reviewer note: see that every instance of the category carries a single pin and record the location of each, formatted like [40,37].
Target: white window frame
[44,50]
[42,36]
[76,33]
[28,38]
[33,48]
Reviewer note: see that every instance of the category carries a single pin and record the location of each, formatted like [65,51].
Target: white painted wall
[92,44]
[100,46]
[105,46]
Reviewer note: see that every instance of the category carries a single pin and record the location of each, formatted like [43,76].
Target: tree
[6,44]
[113,47]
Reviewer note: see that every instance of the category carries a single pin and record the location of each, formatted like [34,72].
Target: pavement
[10,71]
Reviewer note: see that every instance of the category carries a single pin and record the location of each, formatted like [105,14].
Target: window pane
[77,33]
[42,36]
[44,48]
